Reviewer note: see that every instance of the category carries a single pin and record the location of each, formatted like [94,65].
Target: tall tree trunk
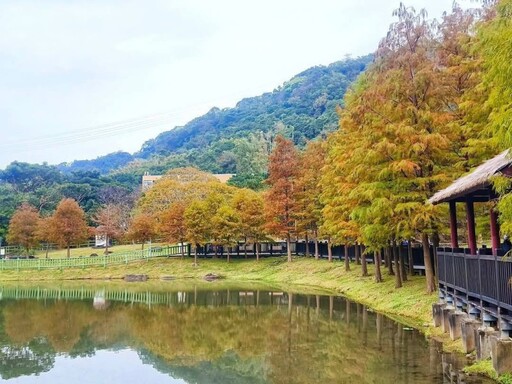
[257,251]
[307,244]
[245,247]
[228,254]
[347,259]
[429,272]
[403,270]
[388,259]
[195,254]
[398,279]
[47,249]
[357,254]
[329,250]
[68,252]
[364,266]
[316,246]
[378,274]
[106,245]
[182,250]
[288,247]
[409,255]
[435,242]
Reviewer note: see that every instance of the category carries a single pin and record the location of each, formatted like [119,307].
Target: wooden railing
[89,261]
[478,279]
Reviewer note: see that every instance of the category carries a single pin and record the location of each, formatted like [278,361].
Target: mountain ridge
[302,108]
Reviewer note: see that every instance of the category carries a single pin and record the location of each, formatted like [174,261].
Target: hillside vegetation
[302,109]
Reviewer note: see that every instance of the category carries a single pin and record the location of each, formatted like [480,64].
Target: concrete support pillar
[454,323]
[505,328]
[453,225]
[470,216]
[469,329]
[483,343]
[501,353]
[445,324]
[437,313]
[495,232]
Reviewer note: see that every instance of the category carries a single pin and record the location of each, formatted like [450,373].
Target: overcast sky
[73,72]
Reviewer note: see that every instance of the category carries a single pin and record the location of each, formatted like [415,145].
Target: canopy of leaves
[68,224]
[23,227]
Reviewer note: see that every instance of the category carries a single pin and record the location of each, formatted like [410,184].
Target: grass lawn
[82,252]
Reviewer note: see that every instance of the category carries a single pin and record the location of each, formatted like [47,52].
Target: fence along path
[89,261]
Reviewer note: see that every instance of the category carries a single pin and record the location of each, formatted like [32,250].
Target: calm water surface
[130,334]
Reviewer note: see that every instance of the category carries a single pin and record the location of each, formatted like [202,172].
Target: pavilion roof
[476,183]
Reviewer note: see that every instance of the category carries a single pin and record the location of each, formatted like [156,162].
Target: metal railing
[479,279]
[90,261]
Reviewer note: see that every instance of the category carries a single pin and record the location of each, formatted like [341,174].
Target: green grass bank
[410,304]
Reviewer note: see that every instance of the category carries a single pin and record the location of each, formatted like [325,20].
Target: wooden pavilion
[472,188]
[476,280]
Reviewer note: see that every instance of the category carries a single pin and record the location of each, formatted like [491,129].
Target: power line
[88,134]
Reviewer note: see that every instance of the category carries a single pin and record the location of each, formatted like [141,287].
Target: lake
[164,333]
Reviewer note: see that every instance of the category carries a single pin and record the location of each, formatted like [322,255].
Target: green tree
[494,46]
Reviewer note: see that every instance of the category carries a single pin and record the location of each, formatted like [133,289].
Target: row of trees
[65,227]
[435,102]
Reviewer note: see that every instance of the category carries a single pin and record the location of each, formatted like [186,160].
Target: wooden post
[470,216]
[495,232]
[453,225]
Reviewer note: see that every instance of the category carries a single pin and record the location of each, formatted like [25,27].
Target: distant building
[148,180]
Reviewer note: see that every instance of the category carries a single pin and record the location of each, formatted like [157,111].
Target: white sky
[73,65]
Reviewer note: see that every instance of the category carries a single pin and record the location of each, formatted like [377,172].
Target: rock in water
[131,278]
[211,277]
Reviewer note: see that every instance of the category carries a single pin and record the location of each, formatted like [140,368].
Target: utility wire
[91,133]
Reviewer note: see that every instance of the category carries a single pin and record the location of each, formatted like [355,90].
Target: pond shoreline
[409,305]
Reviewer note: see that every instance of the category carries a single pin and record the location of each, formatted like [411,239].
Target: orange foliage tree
[309,191]
[249,205]
[280,200]
[68,224]
[23,227]
[142,228]
[172,225]
[111,223]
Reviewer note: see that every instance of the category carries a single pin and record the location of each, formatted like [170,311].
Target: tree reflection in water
[224,336]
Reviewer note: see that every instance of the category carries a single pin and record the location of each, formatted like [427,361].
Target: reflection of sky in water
[110,367]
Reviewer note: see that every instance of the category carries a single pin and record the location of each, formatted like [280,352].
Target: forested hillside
[301,109]
[305,105]
[232,140]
